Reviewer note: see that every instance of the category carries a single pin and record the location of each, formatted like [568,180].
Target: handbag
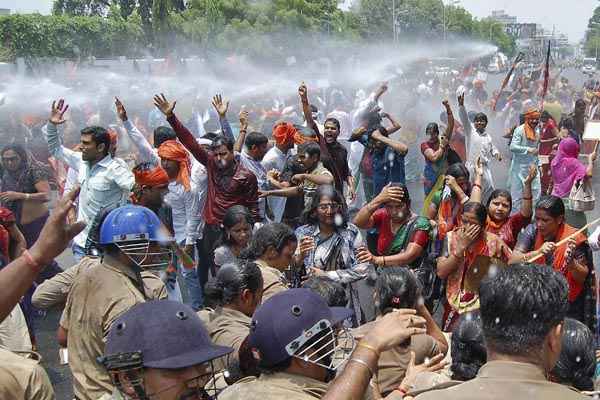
[582,196]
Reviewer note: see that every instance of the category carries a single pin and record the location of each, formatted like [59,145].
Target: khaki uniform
[506,380]
[393,363]
[228,328]
[100,294]
[54,291]
[277,386]
[23,379]
[274,281]
[14,334]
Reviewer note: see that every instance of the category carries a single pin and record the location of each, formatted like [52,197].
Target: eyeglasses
[332,206]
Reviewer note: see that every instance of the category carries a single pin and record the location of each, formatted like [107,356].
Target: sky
[569,16]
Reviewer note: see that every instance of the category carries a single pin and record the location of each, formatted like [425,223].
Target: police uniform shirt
[23,379]
[99,295]
[228,328]
[506,380]
[276,386]
[393,363]
[274,281]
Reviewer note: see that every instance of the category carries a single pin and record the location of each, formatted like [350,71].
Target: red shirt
[509,232]
[225,190]
[382,221]
[7,218]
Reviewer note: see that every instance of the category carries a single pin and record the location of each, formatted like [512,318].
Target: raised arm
[463,115]
[16,278]
[147,153]
[303,93]
[527,206]
[239,143]
[450,127]
[397,146]
[183,134]
[221,107]
[55,147]
[364,217]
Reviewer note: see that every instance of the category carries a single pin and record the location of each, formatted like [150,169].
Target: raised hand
[58,112]
[243,119]
[434,364]
[121,112]
[531,174]
[164,105]
[395,328]
[461,99]
[306,244]
[57,232]
[469,234]
[303,93]
[220,106]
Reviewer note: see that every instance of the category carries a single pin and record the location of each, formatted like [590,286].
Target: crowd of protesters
[344,248]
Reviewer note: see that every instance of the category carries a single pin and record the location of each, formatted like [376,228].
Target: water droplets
[577,359]
[338,219]
[534,316]
[420,301]
[497,320]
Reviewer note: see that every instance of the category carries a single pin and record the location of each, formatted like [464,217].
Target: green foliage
[256,28]
[592,38]
[37,36]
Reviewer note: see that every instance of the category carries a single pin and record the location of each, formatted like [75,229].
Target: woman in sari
[566,171]
[499,220]
[548,139]
[467,255]
[438,155]
[524,147]
[447,203]
[328,244]
[403,236]
[573,259]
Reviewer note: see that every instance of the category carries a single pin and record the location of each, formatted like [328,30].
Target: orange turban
[284,133]
[173,150]
[529,115]
[151,177]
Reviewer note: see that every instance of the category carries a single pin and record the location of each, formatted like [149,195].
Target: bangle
[361,362]
[383,258]
[27,196]
[527,198]
[30,261]
[368,347]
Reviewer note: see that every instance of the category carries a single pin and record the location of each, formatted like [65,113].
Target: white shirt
[198,182]
[276,159]
[186,212]
[104,184]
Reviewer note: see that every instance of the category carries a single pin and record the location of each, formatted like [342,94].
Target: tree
[126,7]
[81,7]
[592,36]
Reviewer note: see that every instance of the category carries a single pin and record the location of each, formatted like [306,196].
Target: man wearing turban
[524,148]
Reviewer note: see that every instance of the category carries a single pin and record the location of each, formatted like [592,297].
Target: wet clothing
[226,187]
[277,386]
[506,380]
[23,379]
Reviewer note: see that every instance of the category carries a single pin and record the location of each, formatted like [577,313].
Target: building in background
[4,11]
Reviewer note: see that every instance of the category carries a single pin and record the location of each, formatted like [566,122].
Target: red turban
[173,150]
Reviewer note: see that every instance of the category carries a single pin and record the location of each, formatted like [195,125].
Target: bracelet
[369,347]
[527,198]
[361,362]
[30,261]
[27,196]
[383,258]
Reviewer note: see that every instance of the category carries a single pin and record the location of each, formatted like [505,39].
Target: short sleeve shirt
[310,187]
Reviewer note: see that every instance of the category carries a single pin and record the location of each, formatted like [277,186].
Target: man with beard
[229,182]
[161,350]
[104,181]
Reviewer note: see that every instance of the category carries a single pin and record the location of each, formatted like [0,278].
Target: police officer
[160,350]
[293,337]
[132,240]
[523,310]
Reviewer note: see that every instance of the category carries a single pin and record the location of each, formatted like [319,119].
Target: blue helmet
[132,223]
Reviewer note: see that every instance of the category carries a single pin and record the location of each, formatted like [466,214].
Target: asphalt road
[47,325]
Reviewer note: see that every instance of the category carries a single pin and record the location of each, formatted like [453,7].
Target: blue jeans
[78,252]
[195,297]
